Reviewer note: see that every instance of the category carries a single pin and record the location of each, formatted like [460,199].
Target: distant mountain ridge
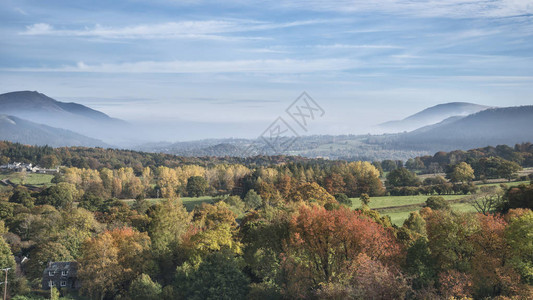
[493,126]
[432,115]
[22,131]
[28,102]
[39,108]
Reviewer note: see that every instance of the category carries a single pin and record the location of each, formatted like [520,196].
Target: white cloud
[209,29]
[39,29]
[267,66]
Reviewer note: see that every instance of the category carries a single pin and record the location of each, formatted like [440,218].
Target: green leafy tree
[420,264]
[60,195]
[450,239]
[252,200]
[41,255]
[219,276]
[402,177]
[143,288]
[343,199]
[507,169]
[196,186]
[21,195]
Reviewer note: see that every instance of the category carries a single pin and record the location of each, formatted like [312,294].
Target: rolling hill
[22,131]
[431,115]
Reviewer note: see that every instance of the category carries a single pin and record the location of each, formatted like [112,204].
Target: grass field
[398,215]
[31,178]
[388,201]
[399,207]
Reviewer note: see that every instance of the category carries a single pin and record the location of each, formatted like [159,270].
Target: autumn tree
[366,179]
[492,275]
[170,221]
[167,181]
[112,260]
[461,172]
[324,243]
[7,260]
[311,192]
[214,229]
[518,197]
[519,236]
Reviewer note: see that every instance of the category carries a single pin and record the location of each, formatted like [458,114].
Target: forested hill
[95,158]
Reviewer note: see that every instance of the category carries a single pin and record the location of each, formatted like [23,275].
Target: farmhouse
[20,167]
[62,275]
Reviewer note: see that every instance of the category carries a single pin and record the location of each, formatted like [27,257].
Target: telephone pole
[5,283]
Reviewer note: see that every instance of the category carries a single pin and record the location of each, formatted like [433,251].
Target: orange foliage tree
[324,245]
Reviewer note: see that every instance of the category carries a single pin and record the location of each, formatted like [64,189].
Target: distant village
[23,167]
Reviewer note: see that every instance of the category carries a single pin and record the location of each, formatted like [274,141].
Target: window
[64,273]
[51,273]
[51,283]
[63,283]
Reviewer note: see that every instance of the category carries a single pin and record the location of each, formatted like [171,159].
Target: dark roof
[59,266]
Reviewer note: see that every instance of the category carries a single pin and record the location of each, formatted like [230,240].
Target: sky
[210,69]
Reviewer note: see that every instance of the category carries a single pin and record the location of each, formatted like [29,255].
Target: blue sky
[229,68]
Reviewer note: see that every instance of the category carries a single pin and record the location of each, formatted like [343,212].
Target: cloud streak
[266,66]
[207,29]
[428,8]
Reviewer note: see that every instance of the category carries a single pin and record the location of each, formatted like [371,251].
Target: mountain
[14,129]
[494,126]
[431,115]
[39,108]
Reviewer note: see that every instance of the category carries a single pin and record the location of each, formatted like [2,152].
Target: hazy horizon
[201,69]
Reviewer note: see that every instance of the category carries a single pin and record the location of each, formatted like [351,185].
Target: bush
[437,202]
[343,199]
